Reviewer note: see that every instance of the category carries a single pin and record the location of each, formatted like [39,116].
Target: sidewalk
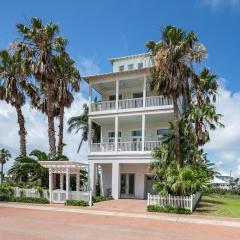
[149,216]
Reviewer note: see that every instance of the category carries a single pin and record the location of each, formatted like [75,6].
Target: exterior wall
[141,59]
[125,129]
[106,178]
[140,170]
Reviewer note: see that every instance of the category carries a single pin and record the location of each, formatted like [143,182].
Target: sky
[99,30]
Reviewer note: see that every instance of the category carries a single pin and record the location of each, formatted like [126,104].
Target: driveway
[27,224]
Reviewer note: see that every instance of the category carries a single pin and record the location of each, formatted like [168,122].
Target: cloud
[88,66]
[224,147]
[216,4]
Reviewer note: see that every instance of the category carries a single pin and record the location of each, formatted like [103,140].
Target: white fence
[30,192]
[187,202]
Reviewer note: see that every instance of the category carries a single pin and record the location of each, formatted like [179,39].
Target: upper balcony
[124,92]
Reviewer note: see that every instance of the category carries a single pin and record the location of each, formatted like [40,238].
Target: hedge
[167,209]
[96,199]
[76,203]
[24,199]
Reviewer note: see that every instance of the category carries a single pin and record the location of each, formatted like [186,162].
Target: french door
[127,185]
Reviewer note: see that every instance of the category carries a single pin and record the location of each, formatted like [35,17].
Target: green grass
[220,205]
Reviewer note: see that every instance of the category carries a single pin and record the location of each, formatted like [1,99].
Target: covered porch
[64,169]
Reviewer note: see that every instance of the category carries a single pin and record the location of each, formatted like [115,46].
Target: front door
[127,185]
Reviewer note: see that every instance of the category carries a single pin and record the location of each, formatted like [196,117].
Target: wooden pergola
[64,168]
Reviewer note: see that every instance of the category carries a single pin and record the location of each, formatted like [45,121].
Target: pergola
[63,168]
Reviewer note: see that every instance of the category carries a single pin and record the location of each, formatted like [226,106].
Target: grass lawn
[220,205]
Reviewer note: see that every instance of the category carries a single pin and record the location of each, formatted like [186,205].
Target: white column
[143,131]
[89,134]
[116,133]
[90,97]
[61,181]
[92,177]
[117,93]
[78,181]
[115,180]
[67,183]
[50,185]
[144,91]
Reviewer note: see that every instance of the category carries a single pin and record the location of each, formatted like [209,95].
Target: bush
[221,191]
[167,209]
[96,199]
[7,189]
[76,203]
[24,199]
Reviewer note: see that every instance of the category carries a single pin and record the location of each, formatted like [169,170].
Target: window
[137,133]
[138,95]
[140,65]
[161,132]
[113,97]
[121,68]
[111,137]
[130,66]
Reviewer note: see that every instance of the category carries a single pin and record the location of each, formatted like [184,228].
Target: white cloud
[224,147]
[216,4]
[88,66]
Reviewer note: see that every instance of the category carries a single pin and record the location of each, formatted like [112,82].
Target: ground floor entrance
[127,185]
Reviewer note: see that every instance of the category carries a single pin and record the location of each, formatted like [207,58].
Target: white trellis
[187,202]
[66,168]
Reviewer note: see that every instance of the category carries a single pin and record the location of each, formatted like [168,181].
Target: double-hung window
[161,132]
[111,137]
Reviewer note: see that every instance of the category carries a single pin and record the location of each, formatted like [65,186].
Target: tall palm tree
[173,57]
[42,43]
[80,123]
[4,157]
[13,86]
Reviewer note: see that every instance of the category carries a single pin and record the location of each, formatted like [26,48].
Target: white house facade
[132,120]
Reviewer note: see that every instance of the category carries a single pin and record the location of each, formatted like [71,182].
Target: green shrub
[215,190]
[40,191]
[6,189]
[24,199]
[167,209]
[96,199]
[76,203]
[22,193]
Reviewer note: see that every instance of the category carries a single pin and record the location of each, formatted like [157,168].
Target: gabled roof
[112,60]
[217,180]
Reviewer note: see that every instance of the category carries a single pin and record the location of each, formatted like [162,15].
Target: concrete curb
[124,214]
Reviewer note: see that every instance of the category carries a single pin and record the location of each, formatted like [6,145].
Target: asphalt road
[25,224]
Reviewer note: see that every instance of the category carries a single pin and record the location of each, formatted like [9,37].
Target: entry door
[137,143]
[127,185]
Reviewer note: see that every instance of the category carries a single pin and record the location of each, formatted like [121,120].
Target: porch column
[115,180]
[89,134]
[61,181]
[144,91]
[92,177]
[117,93]
[90,98]
[116,133]
[50,185]
[67,183]
[78,181]
[143,131]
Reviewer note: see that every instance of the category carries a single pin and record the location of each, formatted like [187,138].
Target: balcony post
[117,93]
[143,131]
[90,98]
[116,133]
[144,90]
[89,134]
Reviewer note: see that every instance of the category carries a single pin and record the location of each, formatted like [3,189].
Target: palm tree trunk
[22,131]
[176,129]
[60,129]
[1,173]
[50,114]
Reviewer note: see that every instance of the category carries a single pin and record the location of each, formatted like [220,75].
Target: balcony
[132,103]
[124,147]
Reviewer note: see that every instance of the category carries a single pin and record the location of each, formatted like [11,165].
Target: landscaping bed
[167,209]
[24,199]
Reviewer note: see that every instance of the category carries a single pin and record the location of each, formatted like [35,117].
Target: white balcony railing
[103,106]
[154,101]
[130,103]
[151,145]
[124,146]
[157,101]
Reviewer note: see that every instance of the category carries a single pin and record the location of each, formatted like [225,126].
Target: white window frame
[121,68]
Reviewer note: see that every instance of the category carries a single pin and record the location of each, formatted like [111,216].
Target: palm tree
[80,123]
[4,157]
[13,86]
[67,82]
[28,168]
[42,43]
[173,57]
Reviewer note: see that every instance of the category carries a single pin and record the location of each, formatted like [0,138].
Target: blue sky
[98,30]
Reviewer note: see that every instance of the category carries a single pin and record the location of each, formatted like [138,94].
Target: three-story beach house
[132,120]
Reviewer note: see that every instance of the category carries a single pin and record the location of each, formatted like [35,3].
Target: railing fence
[187,202]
